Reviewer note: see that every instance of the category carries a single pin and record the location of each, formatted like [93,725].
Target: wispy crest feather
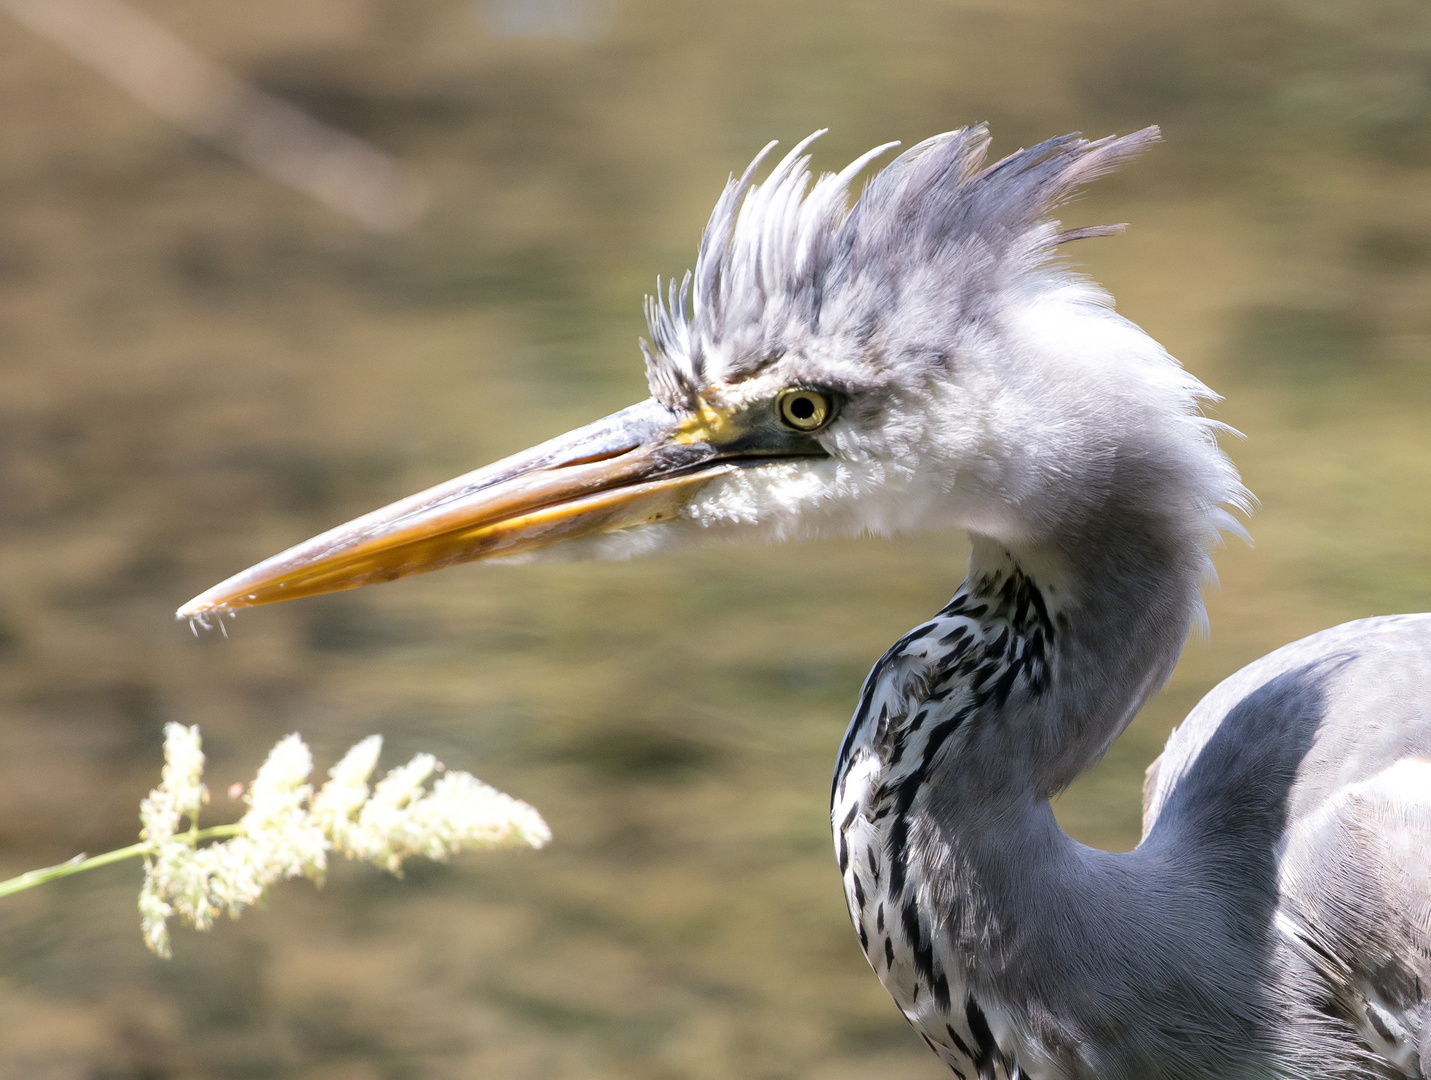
[785,259]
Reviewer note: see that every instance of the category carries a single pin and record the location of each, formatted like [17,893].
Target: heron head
[913,361]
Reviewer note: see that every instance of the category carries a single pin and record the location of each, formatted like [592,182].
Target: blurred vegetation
[199,368]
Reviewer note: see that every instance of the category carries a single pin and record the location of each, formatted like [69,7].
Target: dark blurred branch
[176,81]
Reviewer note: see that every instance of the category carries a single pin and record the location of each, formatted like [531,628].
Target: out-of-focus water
[198,367]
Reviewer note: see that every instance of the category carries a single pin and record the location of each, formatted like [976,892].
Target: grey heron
[923,360]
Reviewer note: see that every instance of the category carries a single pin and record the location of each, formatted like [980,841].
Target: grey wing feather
[1150,785]
[1354,858]
[1356,903]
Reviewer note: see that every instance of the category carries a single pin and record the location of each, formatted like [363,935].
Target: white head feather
[985,385]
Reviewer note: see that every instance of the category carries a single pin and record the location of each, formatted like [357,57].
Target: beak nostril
[592,459]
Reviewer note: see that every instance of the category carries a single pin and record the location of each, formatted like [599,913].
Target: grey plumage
[924,360]
[933,239]
[1341,737]
[1275,920]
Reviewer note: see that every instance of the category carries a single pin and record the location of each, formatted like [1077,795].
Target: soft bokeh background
[199,367]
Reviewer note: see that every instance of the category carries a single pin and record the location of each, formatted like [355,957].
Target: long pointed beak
[636,467]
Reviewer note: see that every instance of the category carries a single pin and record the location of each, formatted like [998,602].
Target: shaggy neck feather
[1122,590]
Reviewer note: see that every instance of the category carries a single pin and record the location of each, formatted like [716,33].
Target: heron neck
[1024,905]
[1077,953]
[981,916]
[1120,599]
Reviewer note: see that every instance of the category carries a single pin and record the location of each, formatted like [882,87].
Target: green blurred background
[199,367]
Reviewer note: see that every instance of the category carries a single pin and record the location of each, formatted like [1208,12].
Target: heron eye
[805,410]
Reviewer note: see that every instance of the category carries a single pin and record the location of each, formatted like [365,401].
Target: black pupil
[802,408]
